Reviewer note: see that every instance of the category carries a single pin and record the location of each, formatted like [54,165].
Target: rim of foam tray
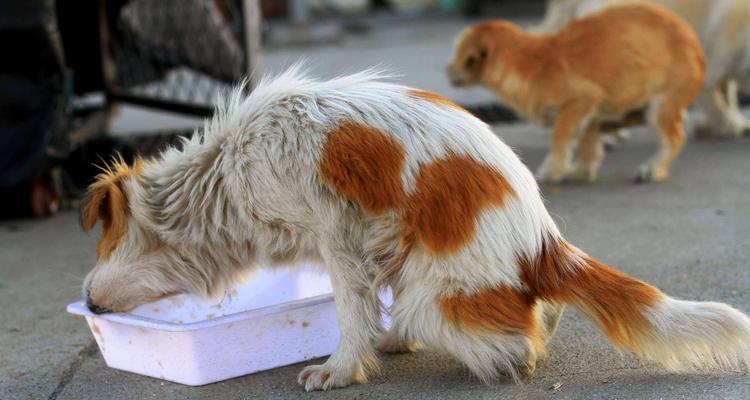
[79,308]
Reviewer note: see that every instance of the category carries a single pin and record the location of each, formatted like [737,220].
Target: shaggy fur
[724,30]
[387,186]
[587,75]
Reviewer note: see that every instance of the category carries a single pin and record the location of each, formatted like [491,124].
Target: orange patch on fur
[364,165]
[617,301]
[500,309]
[450,193]
[107,201]
[434,97]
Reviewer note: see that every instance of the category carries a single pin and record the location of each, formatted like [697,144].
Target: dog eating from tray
[386,185]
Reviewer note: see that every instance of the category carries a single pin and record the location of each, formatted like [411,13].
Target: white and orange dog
[599,70]
[724,30]
[387,185]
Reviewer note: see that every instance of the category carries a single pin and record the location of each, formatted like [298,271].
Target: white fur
[692,335]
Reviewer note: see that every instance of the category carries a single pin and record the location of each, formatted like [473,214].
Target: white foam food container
[277,318]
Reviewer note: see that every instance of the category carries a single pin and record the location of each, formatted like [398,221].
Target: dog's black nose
[93,307]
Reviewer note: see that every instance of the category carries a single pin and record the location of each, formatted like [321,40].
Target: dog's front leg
[358,313]
[571,120]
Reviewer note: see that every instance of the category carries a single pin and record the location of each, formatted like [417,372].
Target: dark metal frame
[118,94]
[124,96]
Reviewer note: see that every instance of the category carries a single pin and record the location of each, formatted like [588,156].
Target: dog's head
[134,265]
[474,50]
[470,53]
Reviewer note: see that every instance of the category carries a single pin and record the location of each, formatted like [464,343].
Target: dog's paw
[527,367]
[552,171]
[582,175]
[527,370]
[651,173]
[324,377]
[391,344]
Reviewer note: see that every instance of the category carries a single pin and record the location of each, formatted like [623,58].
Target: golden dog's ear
[476,57]
[107,201]
[485,39]
[482,55]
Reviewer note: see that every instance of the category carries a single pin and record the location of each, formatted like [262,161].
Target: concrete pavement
[689,236]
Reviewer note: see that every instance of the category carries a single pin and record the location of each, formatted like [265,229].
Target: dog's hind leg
[358,313]
[490,356]
[666,118]
[590,155]
[571,120]
[493,332]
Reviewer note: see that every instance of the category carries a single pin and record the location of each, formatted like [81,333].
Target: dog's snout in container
[93,307]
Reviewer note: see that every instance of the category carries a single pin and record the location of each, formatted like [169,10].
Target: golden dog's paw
[325,377]
[581,175]
[551,171]
[651,173]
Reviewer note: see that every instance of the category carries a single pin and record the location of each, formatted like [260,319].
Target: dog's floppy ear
[104,201]
[107,201]
[477,56]
[482,45]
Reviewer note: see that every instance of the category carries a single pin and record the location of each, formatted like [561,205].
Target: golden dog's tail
[681,335]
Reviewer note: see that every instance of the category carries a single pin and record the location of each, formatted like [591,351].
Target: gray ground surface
[689,236]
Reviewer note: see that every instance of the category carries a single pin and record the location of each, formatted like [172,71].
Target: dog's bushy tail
[681,335]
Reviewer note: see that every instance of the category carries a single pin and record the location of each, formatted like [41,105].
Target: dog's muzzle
[93,307]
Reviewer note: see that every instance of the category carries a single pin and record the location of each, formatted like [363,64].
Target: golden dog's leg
[667,121]
[590,155]
[570,121]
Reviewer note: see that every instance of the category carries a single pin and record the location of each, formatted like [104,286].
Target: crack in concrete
[67,376]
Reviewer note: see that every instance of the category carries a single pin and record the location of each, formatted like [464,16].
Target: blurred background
[87,78]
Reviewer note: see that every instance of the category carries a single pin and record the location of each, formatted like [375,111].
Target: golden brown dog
[724,29]
[596,70]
